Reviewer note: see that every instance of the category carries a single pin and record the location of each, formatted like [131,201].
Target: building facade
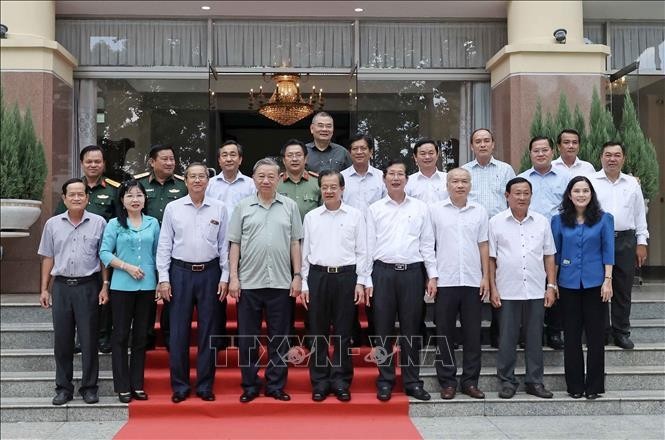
[127,75]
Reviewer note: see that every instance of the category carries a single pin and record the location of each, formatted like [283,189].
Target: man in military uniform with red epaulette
[102,201]
[162,186]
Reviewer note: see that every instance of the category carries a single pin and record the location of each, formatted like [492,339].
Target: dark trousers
[105,319]
[511,313]
[165,322]
[625,245]
[331,301]
[131,312]
[398,293]
[583,310]
[75,309]
[277,306]
[357,334]
[449,301]
[191,289]
[554,320]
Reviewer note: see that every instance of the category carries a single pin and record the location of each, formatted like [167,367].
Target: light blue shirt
[135,246]
[548,190]
[230,192]
[193,235]
[362,191]
[583,251]
[488,184]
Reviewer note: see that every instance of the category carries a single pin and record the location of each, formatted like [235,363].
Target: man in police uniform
[161,186]
[101,201]
[296,183]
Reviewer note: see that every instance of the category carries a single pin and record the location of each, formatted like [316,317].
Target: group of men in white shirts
[385,239]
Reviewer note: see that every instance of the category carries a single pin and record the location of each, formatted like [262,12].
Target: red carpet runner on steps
[265,418]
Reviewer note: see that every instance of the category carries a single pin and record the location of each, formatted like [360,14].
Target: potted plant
[22,170]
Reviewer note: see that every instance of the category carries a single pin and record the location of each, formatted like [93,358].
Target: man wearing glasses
[323,154]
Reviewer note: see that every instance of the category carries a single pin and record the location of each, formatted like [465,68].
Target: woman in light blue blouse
[584,238]
[129,246]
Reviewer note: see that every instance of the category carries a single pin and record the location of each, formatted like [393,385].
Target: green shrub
[22,161]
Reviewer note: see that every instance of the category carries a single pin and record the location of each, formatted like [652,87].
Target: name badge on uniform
[174,190]
[150,189]
[102,196]
[565,262]
[214,222]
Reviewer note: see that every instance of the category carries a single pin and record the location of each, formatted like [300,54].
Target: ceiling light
[359,10]
[205,8]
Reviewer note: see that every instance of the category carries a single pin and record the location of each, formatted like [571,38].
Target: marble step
[40,409]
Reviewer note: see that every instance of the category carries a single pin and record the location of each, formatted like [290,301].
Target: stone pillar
[37,73]
[534,65]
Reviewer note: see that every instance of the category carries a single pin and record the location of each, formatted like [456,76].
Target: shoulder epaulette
[178,176]
[142,175]
[111,182]
[313,174]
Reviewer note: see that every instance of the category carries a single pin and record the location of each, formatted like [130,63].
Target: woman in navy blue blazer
[584,238]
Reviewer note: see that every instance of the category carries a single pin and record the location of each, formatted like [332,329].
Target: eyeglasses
[294,156]
[541,151]
[330,188]
[198,177]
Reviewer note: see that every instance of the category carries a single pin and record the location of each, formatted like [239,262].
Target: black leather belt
[75,281]
[400,267]
[626,233]
[333,269]
[196,267]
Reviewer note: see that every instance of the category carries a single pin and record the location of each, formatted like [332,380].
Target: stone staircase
[635,379]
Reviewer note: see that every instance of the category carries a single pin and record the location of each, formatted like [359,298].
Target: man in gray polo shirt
[323,154]
[265,232]
[70,258]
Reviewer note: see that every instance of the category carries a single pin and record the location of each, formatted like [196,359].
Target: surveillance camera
[560,36]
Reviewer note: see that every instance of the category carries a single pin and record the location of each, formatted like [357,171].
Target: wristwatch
[552,286]
[297,274]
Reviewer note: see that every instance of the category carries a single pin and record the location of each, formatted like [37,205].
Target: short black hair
[159,147]
[90,148]
[539,138]
[613,144]
[325,173]
[391,162]
[230,142]
[568,131]
[361,136]
[74,180]
[282,152]
[473,133]
[515,181]
[422,142]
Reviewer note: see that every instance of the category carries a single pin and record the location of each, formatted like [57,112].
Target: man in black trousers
[70,258]
[400,242]
[334,273]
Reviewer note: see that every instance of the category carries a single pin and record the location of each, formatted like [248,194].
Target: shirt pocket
[212,231]
[172,194]
[90,244]
[415,225]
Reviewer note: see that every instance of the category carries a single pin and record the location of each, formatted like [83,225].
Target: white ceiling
[627,10]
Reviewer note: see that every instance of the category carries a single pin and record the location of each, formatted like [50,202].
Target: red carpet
[364,417]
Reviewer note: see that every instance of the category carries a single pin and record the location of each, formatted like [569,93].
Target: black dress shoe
[555,342]
[62,397]
[494,343]
[624,342]
[179,397]
[105,347]
[90,397]
[125,397]
[538,390]
[319,396]
[248,396]
[278,395]
[507,393]
[208,396]
[384,394]
[140,395]
[592,396]
[77,348]
[342,394]
[418,393]
[576,395]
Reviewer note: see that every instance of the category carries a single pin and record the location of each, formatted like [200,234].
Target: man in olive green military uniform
[162,186]
[102,201]
[297,184]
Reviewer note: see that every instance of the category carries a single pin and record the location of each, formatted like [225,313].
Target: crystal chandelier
[286,106]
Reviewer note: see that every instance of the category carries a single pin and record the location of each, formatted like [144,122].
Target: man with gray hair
[324,154]
[265,232]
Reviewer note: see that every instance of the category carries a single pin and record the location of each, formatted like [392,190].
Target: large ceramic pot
[18,214]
